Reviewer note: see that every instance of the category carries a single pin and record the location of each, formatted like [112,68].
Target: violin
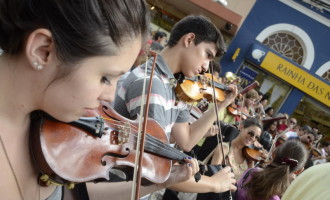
[85,150]
[315,152]
[280,140]
[199,87]
[254,154]
[273,119]
[308,146]
[233,108]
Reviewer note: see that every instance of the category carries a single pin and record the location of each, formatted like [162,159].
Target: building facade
[284,45]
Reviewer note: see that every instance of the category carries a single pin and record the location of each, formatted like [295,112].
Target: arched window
[287,45]
[326,76]
[290,41]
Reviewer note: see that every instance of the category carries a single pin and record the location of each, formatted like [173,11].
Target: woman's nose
[108,94]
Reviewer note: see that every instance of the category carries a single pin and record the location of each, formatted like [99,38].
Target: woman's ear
[39,46]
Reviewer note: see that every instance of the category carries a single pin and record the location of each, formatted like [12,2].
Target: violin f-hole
[104,163]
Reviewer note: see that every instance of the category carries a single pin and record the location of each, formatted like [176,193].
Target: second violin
[199,87]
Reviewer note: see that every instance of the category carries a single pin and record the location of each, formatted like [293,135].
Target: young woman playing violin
[271,182]
[62,57]
[250,131]
[245,107]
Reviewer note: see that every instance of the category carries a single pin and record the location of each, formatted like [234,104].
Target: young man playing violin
[193,43]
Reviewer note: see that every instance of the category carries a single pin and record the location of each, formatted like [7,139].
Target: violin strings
[151,140]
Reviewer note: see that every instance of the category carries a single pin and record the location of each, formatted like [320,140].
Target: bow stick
[141,135]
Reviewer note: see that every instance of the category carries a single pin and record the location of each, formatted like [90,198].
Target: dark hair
[80,28]
[268,109]
[252,122]
[325,143]
[267,125]
[204,30]
[306,128]
[275,178]
[264,97]
[159,34]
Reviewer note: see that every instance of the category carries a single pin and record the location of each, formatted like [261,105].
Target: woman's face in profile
[94,80]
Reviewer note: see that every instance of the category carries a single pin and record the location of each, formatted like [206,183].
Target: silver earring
[37,66]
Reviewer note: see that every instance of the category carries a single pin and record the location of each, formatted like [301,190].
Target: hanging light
[222,2]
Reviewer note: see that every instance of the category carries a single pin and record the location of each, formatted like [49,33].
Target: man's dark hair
[159,34]
[204,30]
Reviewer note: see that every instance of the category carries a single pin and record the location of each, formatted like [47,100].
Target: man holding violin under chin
[193,43]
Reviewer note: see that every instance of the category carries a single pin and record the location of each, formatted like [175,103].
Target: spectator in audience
[159,41]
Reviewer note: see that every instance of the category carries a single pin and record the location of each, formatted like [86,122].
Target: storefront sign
[297,77]
[247,76]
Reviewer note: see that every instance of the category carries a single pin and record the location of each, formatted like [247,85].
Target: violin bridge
[121,135]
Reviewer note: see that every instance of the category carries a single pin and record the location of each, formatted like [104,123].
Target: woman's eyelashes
[105,80]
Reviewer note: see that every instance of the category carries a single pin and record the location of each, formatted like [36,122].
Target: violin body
[69,153]
[315,152]
[234,110]
[254,154]
[194,90]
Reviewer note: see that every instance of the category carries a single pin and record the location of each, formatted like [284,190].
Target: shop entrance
[313,113]
[276,90]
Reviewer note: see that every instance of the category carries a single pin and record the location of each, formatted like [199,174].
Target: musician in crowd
[158,41]
[249,133]
[307,137]
[319,135]
[270,183]
[62,57]
[269,112]
[321,153]
[261,105]
[246,107]
[189,50]
[240,109]
[290,125]
[269,133]
[283,123]
[303,131]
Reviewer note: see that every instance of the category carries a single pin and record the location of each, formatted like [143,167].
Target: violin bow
[220,141]
[141,134]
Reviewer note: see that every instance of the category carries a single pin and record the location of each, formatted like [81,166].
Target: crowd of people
[64,62]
